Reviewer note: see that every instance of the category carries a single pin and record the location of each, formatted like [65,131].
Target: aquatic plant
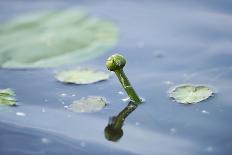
[113,131]
[89,104]
[7,97]
[54,38]
[81,76]
[190,94]
[116,63]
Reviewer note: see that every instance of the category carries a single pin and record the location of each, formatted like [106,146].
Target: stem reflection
[113,131]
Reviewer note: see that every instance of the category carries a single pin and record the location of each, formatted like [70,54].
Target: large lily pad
[7,97]
[89,104]
[188,94]
[81,76]
[54,38]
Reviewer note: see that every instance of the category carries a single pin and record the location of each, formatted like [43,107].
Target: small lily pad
[188,94]
[81,76]
[89,104]
[7,97]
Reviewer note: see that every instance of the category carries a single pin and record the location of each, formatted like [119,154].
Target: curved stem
[127,86]
[120,118]
[113,131]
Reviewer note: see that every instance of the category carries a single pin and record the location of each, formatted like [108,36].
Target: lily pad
[54,38]
[188,94]
[7,97]
[81,76]
[89,104]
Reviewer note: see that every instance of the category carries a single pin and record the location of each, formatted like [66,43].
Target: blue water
[166,43]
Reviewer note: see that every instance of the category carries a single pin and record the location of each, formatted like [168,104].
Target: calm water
[166,43]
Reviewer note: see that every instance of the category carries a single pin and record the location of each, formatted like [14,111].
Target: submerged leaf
[188,94]
[7,97]
[89,104]
[54,38]
[81,76]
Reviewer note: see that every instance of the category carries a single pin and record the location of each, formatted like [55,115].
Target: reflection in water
[113,131]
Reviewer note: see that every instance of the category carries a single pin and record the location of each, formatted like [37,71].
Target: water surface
[166,43]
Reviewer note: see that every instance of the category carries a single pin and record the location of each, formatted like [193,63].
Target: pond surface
[166,43]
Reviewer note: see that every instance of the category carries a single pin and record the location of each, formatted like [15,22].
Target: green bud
[115,62]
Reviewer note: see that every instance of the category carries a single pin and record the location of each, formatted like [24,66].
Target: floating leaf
[7,97]
[54,38]
[188,94]
[81,76]
[89,104]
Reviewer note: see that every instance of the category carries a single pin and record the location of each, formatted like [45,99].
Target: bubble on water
[173,130]
[168,83]
[209,149]
[45,100]
[120,93]
[137,123]
[83,144]
[73,95]
[204,112]
[20,114]
[63,94]
[45,140]
[143,99]
[66,107]
[126,99]
[43,109]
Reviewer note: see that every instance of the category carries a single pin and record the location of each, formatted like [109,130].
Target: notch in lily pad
[7,97]
[81,76]
[190,94]
[116,63]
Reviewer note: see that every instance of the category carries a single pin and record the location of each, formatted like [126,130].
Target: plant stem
[127,86]
[120,118]
[113,131]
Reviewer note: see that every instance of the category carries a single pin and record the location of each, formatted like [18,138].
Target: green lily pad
[7,97]
[89,104]
[81,76]
[55,38]
[188,94]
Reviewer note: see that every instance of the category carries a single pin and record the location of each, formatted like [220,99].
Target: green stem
[127,86]
[113,131]
[118,123]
